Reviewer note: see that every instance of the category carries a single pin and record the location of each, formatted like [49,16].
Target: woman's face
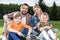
[37,10]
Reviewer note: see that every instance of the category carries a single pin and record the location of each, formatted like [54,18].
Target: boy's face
[17,20]
[45,18]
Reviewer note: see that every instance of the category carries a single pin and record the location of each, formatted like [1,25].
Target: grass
[1,26]
[1,30]
[56,24]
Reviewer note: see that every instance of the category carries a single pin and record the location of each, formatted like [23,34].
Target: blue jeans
[25,31]
[34,32]
[14,36]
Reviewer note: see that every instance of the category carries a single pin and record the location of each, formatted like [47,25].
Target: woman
[35,18]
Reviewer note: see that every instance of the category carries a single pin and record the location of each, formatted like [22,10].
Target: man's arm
[8,16]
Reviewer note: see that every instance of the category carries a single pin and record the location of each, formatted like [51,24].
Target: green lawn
[1,26]
[56,24]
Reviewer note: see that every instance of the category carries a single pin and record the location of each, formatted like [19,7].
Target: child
[15,28]
[45,27]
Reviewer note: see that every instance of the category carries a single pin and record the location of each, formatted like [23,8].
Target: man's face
[37,10]
[24,9]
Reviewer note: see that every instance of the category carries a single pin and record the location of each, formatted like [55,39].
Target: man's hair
[17,15]
[24,4]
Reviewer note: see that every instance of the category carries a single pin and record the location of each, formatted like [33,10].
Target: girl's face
[17,20]
[44,18]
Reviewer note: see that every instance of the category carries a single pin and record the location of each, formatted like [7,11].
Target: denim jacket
[34,21]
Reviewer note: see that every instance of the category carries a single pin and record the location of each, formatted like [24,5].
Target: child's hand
[20,34]
[28,37]
[48,27]
[42,29]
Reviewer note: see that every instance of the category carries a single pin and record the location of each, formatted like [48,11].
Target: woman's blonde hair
[37,6]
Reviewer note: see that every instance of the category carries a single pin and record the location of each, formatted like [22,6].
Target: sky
[30,2]
[50,2]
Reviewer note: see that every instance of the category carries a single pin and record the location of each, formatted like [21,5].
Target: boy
[15,28]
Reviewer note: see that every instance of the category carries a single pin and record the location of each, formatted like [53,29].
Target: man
[26,18]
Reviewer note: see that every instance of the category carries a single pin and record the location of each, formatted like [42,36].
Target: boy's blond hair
[17,15]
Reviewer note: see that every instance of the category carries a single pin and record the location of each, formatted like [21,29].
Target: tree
[5,9]
[43,6]
[58,14]
[31,10]
[54,11]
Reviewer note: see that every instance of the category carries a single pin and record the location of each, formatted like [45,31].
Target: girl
[45,27]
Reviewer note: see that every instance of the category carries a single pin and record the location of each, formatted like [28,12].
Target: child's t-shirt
[19,26]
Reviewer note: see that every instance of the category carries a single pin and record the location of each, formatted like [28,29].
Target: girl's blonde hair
[45,13]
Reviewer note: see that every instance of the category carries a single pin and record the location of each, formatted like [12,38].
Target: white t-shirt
[23,20]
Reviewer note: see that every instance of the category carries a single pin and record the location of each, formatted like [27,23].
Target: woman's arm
[36,26]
